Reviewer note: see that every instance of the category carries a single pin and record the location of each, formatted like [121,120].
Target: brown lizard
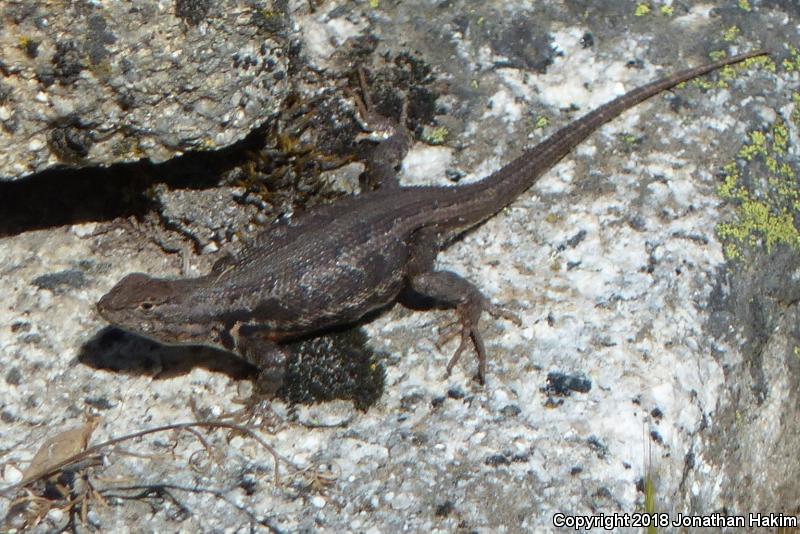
[334,264]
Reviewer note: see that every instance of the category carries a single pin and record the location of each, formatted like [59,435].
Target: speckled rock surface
[645,359]
[95,83]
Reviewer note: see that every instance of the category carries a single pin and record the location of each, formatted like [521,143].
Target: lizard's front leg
[450,290]
[391,137]
[254,346]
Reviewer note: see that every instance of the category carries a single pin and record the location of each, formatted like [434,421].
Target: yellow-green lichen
[792,63]
[763,62]
[716,55]
[772,164]
[730,34]
[374,4]
[642,10]
[780,137]
[702,83]
[667,10]
[729,72]
[726,74]
[766,206]
[796,111]
[744,5]
[756,146]
[553,218]
[542,122]
[757,224]
[436,136]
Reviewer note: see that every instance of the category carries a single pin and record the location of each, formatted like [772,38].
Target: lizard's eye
[146,306]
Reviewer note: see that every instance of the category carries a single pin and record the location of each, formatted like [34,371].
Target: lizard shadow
[119,351]
[338,364]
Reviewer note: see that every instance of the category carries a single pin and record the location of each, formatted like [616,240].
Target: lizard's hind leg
[450,290]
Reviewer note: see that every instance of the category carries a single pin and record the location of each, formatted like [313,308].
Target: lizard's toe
[469,317]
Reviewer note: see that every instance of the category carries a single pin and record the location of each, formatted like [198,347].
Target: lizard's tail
[478,201]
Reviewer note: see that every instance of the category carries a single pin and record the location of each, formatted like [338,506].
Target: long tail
[470,204]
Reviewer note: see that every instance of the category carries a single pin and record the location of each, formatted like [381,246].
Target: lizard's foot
[270,359]
[270,380]
[451,290]
[469,315]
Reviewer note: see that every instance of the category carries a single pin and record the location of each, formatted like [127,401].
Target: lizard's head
[153,307]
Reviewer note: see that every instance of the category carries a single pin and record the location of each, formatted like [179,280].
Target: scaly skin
[334,264]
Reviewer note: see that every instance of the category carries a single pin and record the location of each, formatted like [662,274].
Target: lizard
[335,264]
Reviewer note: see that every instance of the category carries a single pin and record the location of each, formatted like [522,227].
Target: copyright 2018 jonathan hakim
[643,520]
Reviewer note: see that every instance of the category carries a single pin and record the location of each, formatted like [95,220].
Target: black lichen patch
[573,241]
[444,509]
[524,45]
[562,384]
[97,37]
[99,403]
[67,279]
[496,460]
[70,143]
[192,12]
[415,76]
[599,448]
[31,48]
[67,62]
[339,365]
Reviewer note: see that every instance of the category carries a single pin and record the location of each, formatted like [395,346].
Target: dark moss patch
[338,365]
